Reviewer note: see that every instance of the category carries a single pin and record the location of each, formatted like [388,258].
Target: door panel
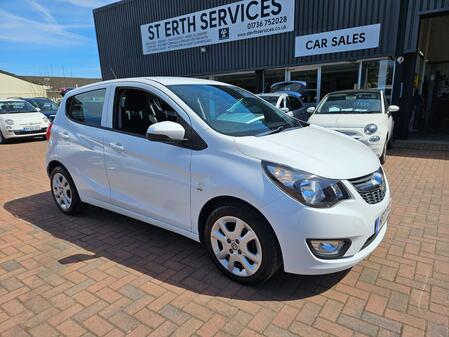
[149,178]
[80,138]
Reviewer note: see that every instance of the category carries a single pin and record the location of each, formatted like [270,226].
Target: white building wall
[11,86]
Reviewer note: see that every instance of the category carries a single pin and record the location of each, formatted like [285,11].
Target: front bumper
[352,219]
[358,134]
[15,132]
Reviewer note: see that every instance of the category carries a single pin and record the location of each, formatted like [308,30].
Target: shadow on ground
[160,254]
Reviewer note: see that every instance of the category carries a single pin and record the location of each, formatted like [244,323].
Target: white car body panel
[168,185]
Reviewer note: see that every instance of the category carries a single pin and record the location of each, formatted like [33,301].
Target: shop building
[391,45]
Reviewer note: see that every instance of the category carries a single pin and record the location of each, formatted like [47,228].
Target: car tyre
[242,244]
[64,192]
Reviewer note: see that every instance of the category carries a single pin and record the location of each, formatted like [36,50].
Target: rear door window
[87,107]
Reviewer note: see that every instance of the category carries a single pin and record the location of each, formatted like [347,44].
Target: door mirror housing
[38,109]
[166,131]
[286,110]
[311,110]
[393,108]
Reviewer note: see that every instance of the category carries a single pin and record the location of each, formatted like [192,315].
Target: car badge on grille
[378,180]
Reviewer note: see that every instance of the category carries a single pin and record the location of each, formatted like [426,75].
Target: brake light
[48,133]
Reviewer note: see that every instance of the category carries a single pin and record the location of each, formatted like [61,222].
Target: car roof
[12,100]
[159,79]
[356,91]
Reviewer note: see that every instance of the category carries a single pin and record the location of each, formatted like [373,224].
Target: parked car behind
[289,102]
[210,161]
[19,119]
[361,114]
[45,106]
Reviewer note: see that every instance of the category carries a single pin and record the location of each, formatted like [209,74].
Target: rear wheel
[64,192]
[242,244]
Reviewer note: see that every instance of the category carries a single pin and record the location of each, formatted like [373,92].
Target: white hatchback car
[219,165]
[361,114]
[19,119]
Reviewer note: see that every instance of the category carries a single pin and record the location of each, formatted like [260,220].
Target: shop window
[271,77]
[378,75]
[246,80]
[339,77]
[310,77]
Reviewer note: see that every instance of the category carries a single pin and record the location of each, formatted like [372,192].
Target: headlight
[45,119]
[9,121]
[370,129]
[307,188]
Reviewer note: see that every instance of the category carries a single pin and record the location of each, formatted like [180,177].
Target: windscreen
[9,107]
[350,103]
[233,111]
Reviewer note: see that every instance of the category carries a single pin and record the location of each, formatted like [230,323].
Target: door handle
[64,135]
[117,147]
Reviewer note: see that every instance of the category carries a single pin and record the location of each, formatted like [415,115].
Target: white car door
[80,140]
[149,178]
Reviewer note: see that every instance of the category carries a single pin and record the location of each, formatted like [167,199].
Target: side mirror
[38,109]
[393,108]
[286,110]
[311,110]
[166,131]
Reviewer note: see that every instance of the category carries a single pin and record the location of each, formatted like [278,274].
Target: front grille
[19,133]
[372,187]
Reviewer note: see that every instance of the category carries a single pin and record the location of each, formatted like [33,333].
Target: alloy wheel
[62,191]
[236,246]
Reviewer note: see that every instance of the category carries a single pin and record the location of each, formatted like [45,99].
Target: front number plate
[31,128]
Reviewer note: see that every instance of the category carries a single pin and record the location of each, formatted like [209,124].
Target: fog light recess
[374,139]
[329,249]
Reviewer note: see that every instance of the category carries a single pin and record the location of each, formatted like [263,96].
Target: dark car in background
[45,106]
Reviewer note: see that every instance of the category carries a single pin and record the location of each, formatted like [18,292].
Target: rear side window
[87,107]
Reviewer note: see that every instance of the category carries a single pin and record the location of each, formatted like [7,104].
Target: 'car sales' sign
[355,38]
[236,21]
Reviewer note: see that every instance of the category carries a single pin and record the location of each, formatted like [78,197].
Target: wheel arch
[209,206]
[52,164]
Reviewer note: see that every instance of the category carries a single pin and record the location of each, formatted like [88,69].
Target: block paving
[102,274]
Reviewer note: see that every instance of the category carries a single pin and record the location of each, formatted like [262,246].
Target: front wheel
[242,244]
[64,192]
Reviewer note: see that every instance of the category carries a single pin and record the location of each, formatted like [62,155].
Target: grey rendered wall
[417,8]
[119,40]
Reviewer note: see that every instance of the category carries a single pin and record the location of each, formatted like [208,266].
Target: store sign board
[236,21]
[355,38]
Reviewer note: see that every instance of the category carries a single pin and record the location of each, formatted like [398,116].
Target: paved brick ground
[107,275]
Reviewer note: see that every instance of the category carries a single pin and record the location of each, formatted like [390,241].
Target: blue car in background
[45,105]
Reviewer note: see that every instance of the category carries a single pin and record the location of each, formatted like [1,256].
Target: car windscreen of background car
[233,111]
[45,105]
[9,107]
[357,103]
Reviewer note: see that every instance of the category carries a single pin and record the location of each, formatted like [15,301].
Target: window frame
[69,99]
[194,140]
